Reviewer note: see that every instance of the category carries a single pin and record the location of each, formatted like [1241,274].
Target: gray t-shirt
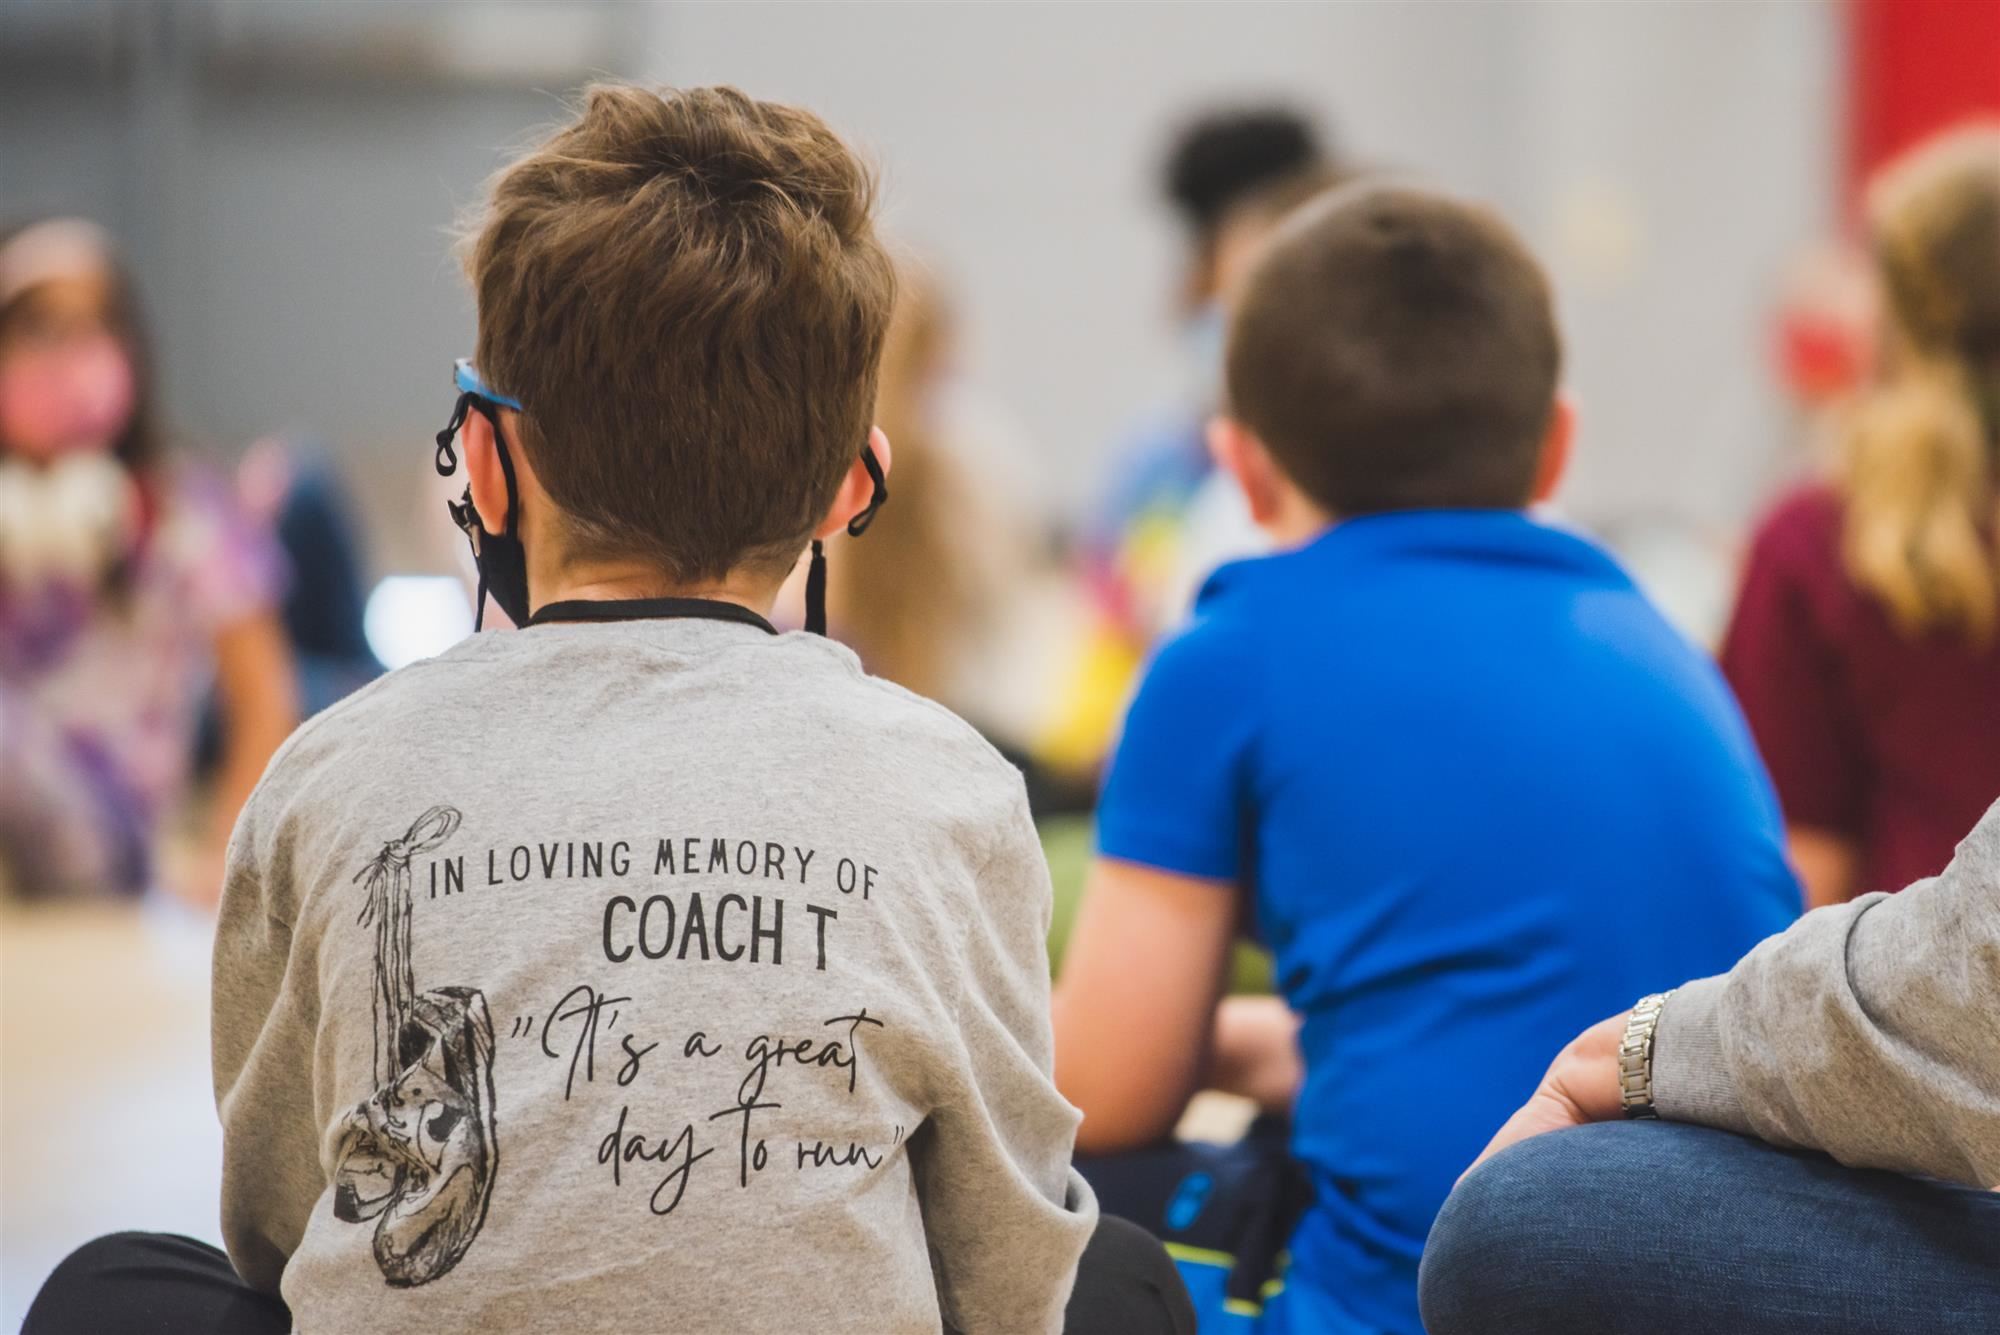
[642,976]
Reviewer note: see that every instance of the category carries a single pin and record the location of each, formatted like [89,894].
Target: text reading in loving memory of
[732,926]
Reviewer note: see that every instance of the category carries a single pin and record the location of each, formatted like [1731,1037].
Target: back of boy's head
[685,291]
[1394,350]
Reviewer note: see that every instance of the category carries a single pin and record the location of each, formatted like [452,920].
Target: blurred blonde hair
[1919,471]
[902,595]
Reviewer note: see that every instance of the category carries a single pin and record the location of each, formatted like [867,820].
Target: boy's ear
[1557,445]
[482,470]
[857,489]
[1237,452]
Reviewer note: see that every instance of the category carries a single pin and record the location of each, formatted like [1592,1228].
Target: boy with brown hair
[1445,760]
[644,969]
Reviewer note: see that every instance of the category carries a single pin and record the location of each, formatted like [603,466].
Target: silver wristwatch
[1635,1056]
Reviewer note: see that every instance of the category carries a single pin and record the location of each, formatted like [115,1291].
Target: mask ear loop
[816,590]
[446,461]
[816,572]
[462,511]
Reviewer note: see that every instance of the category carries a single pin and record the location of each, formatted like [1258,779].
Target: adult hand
[1581,1086]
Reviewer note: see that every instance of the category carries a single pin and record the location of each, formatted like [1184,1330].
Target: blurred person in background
[1823,339]
[1219,162]
[291,487]
[951,596]
[1863,645]
[908,600]
[1162,521]
[128,583]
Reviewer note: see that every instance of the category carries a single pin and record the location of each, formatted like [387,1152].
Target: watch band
[1635,1056]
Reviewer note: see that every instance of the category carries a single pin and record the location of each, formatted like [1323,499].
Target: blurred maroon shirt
[1893,742]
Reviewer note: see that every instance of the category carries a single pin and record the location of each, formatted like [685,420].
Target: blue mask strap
[467,379]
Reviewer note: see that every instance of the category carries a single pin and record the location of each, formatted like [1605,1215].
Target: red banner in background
[1916,66]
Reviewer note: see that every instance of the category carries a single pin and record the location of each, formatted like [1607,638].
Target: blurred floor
[106,1116]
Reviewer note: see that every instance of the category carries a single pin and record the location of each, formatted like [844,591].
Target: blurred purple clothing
[1891,741]
[100,691]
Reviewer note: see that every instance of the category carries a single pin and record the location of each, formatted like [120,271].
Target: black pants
[161,1284]
[1240,1200]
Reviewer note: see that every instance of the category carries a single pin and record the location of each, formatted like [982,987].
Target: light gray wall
[1675,157]
[287,208]
[291,229]
[1020,146]
[1663,157]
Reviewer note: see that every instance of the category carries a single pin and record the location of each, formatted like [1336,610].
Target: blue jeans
[1661,1228]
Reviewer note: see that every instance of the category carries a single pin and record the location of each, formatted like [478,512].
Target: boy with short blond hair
[644,969]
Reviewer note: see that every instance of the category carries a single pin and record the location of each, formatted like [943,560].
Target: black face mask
[500,559]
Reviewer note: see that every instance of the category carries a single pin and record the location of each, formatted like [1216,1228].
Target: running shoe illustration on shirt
[418,1156]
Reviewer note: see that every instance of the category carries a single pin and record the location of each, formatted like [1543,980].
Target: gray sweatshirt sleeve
[1869,1030]
[1005,1215]
[264,1017]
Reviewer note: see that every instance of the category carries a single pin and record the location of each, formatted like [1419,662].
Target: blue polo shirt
[1479,795]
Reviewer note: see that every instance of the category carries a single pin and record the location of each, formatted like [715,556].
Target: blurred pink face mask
[72,395]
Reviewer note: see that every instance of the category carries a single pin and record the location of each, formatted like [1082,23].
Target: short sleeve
[1176,793]
[1785,669]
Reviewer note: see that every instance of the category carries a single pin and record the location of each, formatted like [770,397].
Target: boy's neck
[1296,522]
[608,581]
